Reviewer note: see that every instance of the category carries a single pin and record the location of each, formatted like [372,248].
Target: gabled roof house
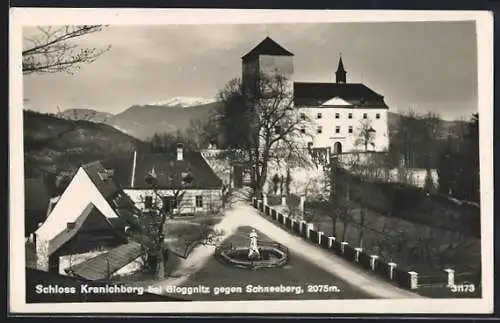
[91,214]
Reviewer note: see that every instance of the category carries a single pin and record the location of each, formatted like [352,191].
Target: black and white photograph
[229,161]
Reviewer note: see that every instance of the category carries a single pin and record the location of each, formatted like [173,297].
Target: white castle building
[345,117]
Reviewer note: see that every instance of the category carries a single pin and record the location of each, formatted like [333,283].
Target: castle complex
[344,116]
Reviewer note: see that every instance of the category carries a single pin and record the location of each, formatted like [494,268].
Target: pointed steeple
[340,73]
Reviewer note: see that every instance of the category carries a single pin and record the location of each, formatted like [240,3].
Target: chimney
[180,153]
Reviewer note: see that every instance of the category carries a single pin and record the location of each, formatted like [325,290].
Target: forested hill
[53,145]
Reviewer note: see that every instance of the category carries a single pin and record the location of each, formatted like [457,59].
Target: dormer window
[70,225]
[106,174]
[187,178]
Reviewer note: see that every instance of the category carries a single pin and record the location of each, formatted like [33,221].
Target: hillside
[143,121]
[52,145]
[86,114]
[452,128]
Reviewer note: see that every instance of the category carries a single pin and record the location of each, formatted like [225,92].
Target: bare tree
[344,213]
[157,209]
[203,131]
[273,128]
[365,135]
[51,50]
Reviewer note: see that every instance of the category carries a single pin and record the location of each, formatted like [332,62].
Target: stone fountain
[253,256]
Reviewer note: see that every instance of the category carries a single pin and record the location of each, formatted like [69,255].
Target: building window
[309,145]
[148,202]
[302,116]
[199,201]
[320,129]
[277,130]
[319,116]
[377,116]
[303,129]
[350,129]
[337,115]
[173,203]
[337,129]
[349,115]
[365,115]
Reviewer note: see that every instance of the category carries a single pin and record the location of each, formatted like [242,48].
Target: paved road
[243,214]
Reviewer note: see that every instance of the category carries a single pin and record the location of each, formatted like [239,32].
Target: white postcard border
[46,16]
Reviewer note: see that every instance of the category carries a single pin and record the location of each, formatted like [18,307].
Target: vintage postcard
[246,161]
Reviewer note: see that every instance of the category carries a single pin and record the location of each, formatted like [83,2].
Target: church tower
[268,57]
[340,73]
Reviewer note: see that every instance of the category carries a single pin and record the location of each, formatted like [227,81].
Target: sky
[424,66]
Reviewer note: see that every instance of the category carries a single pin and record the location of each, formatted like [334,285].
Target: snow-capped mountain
[144,120]
[183,102]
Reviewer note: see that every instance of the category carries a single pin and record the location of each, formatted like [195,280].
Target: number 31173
[463,288]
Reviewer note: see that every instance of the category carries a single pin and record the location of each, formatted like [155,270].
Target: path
[241,214]
[201,254]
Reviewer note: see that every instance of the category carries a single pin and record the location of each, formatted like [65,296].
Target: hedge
[304,230]
[365,260]
[349,253]
[313,236]
[325,242]
[402,277]
[336,246]
[382,268]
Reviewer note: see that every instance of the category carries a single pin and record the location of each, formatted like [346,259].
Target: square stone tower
[267,58]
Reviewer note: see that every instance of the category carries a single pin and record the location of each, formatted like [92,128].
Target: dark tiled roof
[169,171]
[36,195]
[267,47]
[104,265]
[110,189]
[107,187]
[90,212]
[314,94]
